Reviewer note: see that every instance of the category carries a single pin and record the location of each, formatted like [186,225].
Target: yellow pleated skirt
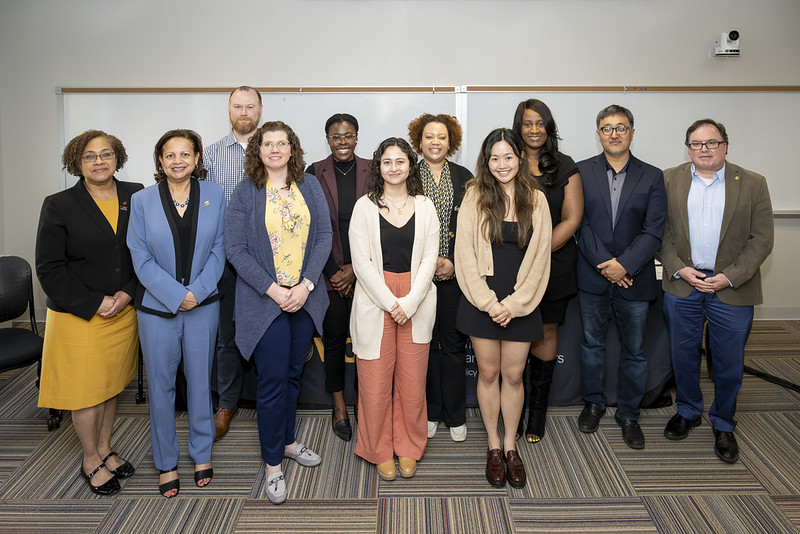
[85,363]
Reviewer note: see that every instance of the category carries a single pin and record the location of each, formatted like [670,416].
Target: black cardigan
[459,176]
[79,259]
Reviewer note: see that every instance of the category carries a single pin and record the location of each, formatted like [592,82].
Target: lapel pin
[206,203]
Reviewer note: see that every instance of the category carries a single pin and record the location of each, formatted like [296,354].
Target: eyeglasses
[621,130]
[346,137]
[105,156]
[697,145]
[280,145]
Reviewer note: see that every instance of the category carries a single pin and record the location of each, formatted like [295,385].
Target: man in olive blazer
[719,231]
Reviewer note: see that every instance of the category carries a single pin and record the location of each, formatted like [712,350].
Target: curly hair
[199,171]
[253,166]
[492,199]
[417,126]
[375,186]
[73,152]
[548,153]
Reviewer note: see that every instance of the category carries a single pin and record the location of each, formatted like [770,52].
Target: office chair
[20,347]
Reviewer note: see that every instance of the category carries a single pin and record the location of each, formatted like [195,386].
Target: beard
[244,126]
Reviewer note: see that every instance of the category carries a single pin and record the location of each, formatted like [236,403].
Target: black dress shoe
[342,428]
[122,472]
[679,426]
[109,487]
[631,432]
[725,446]
[589,419]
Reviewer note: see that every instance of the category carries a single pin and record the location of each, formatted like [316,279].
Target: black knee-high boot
[526,389]
[541,380]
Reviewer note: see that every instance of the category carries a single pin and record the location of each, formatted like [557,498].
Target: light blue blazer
[153,242]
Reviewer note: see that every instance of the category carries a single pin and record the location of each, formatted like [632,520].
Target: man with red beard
[224,161]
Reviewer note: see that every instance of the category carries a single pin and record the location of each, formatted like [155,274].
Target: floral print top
[287,220]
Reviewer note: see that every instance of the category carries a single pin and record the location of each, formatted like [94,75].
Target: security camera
[728,44]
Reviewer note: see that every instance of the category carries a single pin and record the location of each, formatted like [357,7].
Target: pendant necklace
[344,173]
[179,205]
[399,209]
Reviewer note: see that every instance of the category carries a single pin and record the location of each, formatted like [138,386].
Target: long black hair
[492,199]
[548,154]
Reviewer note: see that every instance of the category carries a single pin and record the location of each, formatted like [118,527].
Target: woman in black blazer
[91,338]
[435,138]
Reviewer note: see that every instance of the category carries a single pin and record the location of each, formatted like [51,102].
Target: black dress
[563,282]
[507,257]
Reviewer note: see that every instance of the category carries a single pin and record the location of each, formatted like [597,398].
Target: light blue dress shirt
[705,206]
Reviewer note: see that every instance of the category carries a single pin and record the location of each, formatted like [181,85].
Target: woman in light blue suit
[175,239]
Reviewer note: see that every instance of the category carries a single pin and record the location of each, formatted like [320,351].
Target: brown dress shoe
[495,470]
[516,469]
[408,466]
[222,420]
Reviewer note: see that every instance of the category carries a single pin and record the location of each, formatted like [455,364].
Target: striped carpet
[576,482]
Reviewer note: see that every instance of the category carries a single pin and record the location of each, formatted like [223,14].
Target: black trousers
[230,364]
[447,365]
[336,327]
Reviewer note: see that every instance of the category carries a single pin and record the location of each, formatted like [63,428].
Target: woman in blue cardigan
[278,238]
[175,239]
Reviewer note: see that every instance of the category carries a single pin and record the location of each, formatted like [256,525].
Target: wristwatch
[309,284]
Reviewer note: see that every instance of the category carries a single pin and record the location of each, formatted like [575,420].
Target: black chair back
[16,289]
[18,347]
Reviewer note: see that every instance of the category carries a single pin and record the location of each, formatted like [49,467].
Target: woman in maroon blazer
[343,177]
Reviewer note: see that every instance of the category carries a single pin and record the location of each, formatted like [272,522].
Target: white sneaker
[276,488]
[458,433]
[432,426]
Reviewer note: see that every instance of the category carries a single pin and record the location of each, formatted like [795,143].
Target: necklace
[399,209]
[179,205]
[344,173]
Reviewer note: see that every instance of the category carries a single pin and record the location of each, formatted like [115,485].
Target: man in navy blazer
[625,206]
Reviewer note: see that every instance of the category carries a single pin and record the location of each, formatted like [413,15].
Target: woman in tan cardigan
[502,267]
[394,243]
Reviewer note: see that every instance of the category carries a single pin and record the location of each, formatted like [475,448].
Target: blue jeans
[631,319]
[728,330]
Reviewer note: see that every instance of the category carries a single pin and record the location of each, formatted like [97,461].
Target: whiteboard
[762,126]
[139,119]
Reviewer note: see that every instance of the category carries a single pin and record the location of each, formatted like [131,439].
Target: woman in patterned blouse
[435,138]
[278,237]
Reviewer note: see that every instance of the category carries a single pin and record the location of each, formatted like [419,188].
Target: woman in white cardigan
[394,243]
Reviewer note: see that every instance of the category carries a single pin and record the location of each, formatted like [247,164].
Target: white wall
[149,43]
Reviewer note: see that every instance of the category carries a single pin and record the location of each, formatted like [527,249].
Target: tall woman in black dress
[502,267]
[558,177]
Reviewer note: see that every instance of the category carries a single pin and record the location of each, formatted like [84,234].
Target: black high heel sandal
[203,473]
[110,487]
[171,485]
[124,471]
